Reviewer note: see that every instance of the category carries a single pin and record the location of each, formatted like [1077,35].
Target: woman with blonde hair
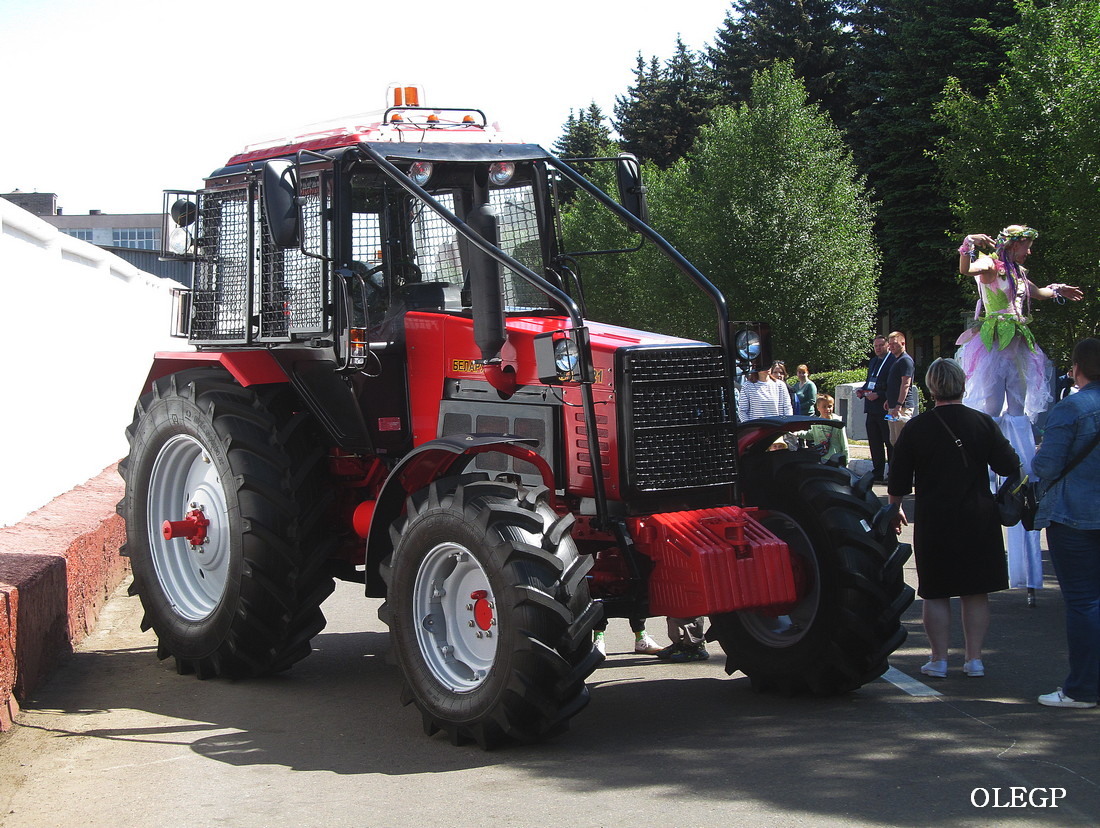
[947,453]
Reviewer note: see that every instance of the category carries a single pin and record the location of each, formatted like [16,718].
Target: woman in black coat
[957,536]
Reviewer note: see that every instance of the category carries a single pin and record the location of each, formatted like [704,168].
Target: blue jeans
[1076,557]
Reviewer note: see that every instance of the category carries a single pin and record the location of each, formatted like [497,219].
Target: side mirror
[628,174]
[281,203]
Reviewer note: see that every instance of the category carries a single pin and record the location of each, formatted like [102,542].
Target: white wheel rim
[193,577]
[455,618]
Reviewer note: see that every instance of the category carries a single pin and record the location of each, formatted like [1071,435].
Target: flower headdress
[1016,232]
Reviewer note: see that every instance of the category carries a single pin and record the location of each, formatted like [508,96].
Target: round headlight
[420,172]
[501,172]
[180,241]
[566,357]
[748,345]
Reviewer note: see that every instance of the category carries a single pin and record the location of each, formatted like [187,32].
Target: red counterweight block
[713,560]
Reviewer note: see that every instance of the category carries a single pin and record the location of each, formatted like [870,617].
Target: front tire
[490,614]
[847,621]
[241,470]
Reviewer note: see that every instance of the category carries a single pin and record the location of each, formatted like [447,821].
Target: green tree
[661,113]
[809,33]
[769,206]
[584,135]
[903,54]
[1029,151]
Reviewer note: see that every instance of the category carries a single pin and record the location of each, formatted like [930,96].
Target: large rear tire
[237,590]
[848,619]
[490,613]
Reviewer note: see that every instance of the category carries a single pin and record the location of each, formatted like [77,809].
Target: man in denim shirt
[1070,513]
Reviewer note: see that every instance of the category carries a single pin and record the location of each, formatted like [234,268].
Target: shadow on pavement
[876,755]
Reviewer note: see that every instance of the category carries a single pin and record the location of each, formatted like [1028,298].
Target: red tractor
[393,381]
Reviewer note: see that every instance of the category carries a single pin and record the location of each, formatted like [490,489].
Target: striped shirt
[763,399]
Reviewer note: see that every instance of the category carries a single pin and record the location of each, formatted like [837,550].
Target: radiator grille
[677,418]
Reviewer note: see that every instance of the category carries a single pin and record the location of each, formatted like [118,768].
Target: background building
[134,237]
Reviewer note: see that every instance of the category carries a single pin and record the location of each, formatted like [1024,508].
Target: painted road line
[909,684]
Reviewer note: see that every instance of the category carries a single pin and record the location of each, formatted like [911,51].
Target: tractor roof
[408,125]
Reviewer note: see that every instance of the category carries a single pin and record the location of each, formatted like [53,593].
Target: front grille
[676,418]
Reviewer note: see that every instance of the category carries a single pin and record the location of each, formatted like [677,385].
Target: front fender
[757,435]
[430,461]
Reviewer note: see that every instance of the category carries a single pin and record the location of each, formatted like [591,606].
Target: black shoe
[690,652]
[668,652]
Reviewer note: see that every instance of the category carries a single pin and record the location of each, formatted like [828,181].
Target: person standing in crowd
[1068,466]
[831,443]
[957,538]
[1009,380]
[763,396]
[901,392]
[874,409]
[804,392]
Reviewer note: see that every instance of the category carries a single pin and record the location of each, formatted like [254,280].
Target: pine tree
[584,135]
[661,113]
[758,33]
[903,56]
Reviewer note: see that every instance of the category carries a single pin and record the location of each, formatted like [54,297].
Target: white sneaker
[1060,699]
[597,639]
[937,669]
[647,645]
[974,667]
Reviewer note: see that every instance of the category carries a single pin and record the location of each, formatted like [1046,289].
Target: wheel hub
[454,615]
[192,527]
[483,610]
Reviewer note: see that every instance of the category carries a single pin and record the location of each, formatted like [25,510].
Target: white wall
[78,329]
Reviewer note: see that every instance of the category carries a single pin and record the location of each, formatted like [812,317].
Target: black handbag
[1021,497]
[1017,500]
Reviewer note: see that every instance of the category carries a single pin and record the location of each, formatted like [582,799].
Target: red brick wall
[58,566]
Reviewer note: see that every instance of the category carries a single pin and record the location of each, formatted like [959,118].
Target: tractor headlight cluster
[559,357]
[566,358]
[748,346]
[751,346]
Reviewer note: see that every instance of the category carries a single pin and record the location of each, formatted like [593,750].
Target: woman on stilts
[1007,374]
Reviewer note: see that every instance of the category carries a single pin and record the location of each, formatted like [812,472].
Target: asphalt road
[117,739]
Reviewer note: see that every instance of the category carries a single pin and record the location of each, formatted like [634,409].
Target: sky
[109,102]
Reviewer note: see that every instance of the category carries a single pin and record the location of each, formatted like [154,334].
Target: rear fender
[247,367]
[444,457]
